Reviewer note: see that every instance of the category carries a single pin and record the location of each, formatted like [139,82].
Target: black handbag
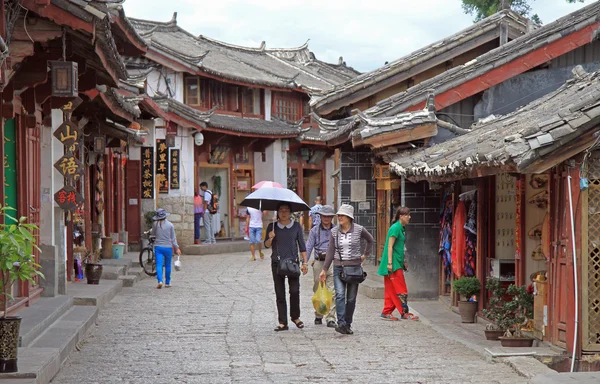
[351,274]
[287,267]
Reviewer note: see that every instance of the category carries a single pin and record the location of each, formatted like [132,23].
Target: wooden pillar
[109,194]
[483,199]
[520,256]
[89,207]
[119,196]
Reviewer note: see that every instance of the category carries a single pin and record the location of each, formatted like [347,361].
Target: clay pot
[9,343]
[467,310]
[93,272]
[493,334]
[511,342]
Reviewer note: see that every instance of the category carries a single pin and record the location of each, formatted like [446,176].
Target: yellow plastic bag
[322,299]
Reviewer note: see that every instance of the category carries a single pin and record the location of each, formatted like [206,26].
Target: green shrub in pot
[467,287]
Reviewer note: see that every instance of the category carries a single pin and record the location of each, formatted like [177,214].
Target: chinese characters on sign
[175,168]
[67,133]
[162,166]
[68,198]
[69,167]
[147,173]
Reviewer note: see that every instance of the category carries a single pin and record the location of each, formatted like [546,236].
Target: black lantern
[99,144]
[170,141]
[64,78]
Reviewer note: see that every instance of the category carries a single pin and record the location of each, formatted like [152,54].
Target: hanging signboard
[67,133]
[10,165]
[175,168]
[69,167]
[147,173]
[68,198]
[162,166]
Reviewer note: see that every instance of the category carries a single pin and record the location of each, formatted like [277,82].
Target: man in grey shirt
[318,240]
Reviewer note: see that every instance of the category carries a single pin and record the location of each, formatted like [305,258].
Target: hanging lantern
[99,144]
[64,78]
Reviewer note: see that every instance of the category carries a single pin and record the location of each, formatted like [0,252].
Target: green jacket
[397,231]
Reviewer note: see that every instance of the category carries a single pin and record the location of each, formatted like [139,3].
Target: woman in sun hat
[345,249]
[165,242]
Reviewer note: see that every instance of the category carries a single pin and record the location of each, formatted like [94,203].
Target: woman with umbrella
[286,238]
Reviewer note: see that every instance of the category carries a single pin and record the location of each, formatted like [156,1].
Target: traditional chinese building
[235,115]
[65,128]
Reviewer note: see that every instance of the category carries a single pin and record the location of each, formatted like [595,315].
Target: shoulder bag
[287,267]
[351,274]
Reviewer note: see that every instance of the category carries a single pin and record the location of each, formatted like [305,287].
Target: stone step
[112,272]
[218,248]
[129,280]
[67,331]
[371,288]
[372,272]
[137,271]
[36,365]
[94,295]
[40,315]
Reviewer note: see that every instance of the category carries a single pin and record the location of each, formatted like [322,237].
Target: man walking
[313,216]
[254,225]
[210,209]
[318,239]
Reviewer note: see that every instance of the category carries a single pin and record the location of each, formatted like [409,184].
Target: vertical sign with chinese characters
[175,168]
[147,173]
[162,166]
[10,164]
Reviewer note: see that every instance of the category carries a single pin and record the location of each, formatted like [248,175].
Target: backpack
[213,206]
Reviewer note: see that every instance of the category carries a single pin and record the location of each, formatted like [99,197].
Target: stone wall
[358,166]
[422,240]
[181,209]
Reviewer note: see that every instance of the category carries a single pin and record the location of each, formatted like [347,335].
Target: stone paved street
[216,326]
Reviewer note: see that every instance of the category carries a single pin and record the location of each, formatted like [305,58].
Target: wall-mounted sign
[162,166]
[358,190]
[10,165]
[175,168]
[147,173]
[68,198]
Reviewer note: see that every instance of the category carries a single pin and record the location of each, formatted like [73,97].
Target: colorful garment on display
[470,254]
[458,239]
[471,224]
[446,236]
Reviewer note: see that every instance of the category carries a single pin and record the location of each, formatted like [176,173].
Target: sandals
[299,323]
[409,316]
[280,328]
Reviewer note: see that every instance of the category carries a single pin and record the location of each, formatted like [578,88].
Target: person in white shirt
[254,226]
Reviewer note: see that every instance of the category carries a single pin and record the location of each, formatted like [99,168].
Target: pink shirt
[198,204]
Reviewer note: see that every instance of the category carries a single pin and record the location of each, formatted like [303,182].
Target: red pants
[395,293]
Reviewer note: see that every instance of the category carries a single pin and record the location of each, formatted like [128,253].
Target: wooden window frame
[287,107]
[186,81]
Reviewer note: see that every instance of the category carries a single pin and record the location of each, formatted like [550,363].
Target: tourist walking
[345,244]
[313,216]
[285,237]
[164,243]
[210,209]
[318,240]
[198,213]
[392,269]
[254,225]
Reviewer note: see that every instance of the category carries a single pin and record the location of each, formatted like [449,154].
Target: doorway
[218,182]
[312,187]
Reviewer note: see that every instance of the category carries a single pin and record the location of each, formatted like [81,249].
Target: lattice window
[593,256]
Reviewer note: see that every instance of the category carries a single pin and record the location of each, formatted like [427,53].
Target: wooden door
[558,261]
[384,201]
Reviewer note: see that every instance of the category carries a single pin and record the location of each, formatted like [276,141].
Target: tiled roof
[233,125]
[515,141]
[517,25]
[506,53]
[294,68]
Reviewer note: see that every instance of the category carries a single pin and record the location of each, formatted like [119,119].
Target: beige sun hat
[346,210]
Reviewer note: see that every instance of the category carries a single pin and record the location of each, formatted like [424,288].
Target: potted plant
[518,312]
[467,287]
[93,269]
[17,262]
[494,312]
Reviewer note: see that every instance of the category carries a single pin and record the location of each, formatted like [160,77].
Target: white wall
[274,168]
[329,181]
[267,104]
[165,81]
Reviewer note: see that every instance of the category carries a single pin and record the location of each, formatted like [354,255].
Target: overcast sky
[366,33]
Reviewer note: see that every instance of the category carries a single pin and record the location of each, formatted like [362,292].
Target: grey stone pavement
[216,326]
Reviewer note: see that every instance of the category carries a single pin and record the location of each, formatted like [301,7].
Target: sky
[365,33]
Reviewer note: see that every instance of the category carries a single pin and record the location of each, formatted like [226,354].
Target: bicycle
[147,256]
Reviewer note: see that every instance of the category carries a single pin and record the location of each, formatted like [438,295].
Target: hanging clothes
[471,241]
[446,236]
[458,239]
[471,224]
